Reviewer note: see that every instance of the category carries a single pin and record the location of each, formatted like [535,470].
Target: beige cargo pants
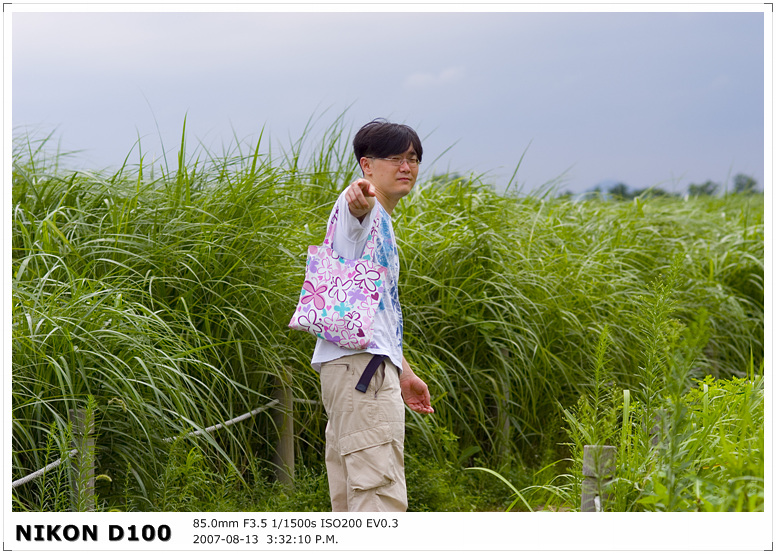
[364,437]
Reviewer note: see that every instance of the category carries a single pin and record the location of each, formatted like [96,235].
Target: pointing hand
[361,197]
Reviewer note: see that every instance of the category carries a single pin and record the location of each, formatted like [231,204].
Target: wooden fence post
[655,432]
[83,441]
[284,423]
[598,465]
[503,427]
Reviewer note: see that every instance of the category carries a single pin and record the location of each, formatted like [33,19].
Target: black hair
[381,139]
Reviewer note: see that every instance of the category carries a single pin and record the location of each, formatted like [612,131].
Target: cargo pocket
[369,458]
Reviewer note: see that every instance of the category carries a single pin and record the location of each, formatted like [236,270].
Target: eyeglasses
[397,161]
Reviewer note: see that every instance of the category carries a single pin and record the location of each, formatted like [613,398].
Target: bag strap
[371,241]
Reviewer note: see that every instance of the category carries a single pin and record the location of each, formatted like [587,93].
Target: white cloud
[427,80]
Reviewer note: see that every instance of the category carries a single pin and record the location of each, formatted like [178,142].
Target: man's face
[393,179]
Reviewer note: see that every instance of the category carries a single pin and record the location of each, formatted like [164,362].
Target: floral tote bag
[340,297]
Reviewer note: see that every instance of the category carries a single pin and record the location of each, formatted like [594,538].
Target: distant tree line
[742,184]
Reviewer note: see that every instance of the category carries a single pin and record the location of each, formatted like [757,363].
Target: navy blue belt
[369,372]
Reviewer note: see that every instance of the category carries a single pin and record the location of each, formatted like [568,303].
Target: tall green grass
[507,297]
[165,292]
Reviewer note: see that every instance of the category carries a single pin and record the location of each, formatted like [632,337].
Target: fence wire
[52,465]
[226,423]
[41,471]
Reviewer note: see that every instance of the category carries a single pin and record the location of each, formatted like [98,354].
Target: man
[365,431]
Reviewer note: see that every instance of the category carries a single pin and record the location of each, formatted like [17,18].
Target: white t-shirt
[349,240]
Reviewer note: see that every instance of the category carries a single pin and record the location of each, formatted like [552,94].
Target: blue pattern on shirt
[387,255]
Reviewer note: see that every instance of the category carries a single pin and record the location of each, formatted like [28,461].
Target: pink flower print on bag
[314,295]
[340,297]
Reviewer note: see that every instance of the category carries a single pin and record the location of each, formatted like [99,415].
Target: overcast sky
[648,99]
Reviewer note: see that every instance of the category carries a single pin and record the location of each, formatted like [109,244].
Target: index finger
[366,187]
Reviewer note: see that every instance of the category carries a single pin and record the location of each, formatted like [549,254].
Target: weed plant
[164,293]
[676,451]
